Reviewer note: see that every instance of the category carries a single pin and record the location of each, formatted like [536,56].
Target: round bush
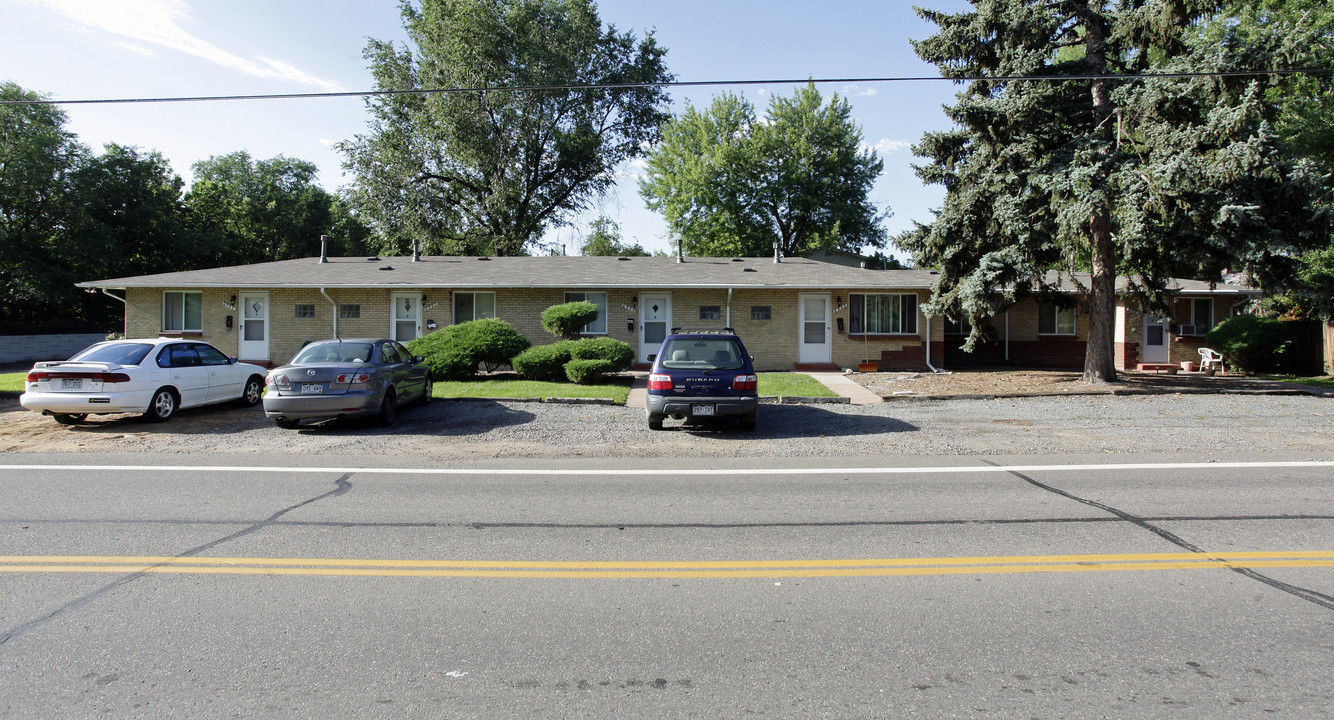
[454,351]
[588,372]
[543,362]
[1250,342]
[568,320]
[612,350]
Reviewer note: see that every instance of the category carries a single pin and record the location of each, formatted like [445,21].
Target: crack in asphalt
[341,485]
[1307,594]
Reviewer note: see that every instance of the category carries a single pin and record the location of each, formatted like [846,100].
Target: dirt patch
[1057,382]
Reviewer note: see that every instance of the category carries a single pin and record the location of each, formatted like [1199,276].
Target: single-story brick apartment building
[792,314]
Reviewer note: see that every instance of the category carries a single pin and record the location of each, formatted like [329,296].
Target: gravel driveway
[463,431]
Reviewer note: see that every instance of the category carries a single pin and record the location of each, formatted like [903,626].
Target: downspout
[1007,335]
[108,294]
[728,319]
[335,312]
[928,344]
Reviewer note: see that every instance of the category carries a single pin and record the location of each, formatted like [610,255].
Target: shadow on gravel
[795,421]
[209,419]
[440,418]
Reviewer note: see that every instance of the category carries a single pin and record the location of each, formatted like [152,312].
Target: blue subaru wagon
[700,375]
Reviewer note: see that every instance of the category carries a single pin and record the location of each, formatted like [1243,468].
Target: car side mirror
[232,361]
[418,359]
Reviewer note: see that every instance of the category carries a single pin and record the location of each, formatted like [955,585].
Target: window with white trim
[598,326]
[958,327]
[182,312]
[882,314]
[469,306]
[1054,320]
[1202,315]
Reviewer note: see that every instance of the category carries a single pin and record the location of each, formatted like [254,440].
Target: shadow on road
[791,421]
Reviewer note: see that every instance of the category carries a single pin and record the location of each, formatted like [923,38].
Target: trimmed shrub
[1250,342]
[568,320]
[543,362]
[588,372]
[454,351]
[604,348]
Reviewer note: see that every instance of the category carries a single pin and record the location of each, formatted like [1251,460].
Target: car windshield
[118,353]
[702,354]
[333,352]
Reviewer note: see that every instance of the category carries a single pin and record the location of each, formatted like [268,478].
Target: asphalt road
[840,588]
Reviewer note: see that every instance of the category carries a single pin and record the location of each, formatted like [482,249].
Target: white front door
[813,329]
[1154,348]
[655,320]
[407,316]
[253,336]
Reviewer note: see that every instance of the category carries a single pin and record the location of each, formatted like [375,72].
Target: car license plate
[701,409]
[71,383]
[312,388]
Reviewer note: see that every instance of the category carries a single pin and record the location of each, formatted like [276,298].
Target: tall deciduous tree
[37,156]
[259,211]
[604,239]
[1149,177]
[485,169]
[731,184]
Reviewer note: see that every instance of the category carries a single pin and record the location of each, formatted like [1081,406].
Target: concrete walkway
[840,383]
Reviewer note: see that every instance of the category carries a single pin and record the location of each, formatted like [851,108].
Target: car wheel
[162,407]
[430,388]
[388,408]
[286,423]
[254,390]
[654,422]
[748,423]
[70,419]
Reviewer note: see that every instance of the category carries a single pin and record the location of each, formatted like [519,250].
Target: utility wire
[695,83]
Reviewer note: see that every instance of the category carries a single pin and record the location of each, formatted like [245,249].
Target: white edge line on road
[680,471]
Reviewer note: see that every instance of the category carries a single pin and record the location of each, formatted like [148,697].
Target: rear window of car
[334,352]
[118,353]
[702,354]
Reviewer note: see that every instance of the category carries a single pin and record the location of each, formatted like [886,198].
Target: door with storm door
[655,320]
[407,316]
[813,328]
[253,336]
[1154,348]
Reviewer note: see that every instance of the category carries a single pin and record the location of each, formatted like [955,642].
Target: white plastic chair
[1211,360]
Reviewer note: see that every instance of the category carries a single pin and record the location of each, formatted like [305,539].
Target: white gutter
[335,312]
[108,294]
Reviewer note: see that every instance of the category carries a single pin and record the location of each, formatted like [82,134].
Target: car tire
[162,406]
[654,422]
[748,423]
[69,418]
[286,423]
[430,388]
[254,390]
[388,408]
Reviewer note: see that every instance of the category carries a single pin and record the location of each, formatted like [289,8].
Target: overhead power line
[683,83]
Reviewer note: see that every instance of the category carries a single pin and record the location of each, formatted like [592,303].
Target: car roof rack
[703,331]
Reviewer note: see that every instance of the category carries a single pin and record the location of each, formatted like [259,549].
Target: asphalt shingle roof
[570,272]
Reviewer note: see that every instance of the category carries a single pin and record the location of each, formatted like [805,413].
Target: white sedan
[153,377]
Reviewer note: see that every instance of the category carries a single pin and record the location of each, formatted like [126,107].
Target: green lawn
[12,382]
[793,384]
[1324,382]
[515,388]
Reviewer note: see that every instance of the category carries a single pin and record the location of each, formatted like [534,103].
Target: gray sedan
[346,378]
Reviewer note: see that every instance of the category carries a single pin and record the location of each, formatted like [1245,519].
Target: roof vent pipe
[416,250]
[777,259]
[324,248]
[680,250]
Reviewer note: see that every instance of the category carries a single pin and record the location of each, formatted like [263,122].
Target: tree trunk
[1099,360]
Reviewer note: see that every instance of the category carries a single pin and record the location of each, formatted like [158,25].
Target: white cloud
[859,90]
[887,146]
[137,48]
[158,23]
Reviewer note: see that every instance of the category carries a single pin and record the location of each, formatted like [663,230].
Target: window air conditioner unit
[1185,329]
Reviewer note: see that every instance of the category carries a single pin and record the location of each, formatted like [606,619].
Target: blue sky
[87,49]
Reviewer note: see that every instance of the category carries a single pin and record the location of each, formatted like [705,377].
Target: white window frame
[181,319]
[903,317]
[599,325]
[1070,313]
[1201,328]
[475,316]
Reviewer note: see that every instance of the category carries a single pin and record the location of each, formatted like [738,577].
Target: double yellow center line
[719,569]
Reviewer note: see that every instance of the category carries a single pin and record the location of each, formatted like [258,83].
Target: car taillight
[745,382]
[113,377]
[279,380]
[659,382]
[103,377]
[360,378]
[38,376]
